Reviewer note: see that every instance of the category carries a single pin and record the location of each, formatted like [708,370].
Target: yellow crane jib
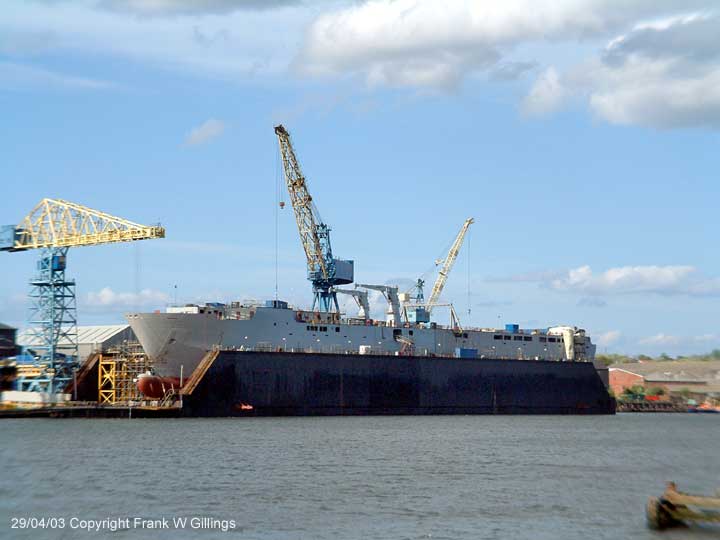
[447,265]
[57,223]
[301,201]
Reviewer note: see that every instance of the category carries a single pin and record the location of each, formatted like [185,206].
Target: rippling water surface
[465,477]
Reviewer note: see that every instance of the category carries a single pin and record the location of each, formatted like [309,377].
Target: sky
[581,135]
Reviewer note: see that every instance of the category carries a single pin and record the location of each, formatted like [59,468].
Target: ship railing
[488,354]
[170,398]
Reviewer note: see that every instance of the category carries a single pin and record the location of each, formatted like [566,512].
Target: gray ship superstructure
[182,335]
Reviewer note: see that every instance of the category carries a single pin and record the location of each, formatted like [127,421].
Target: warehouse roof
[6,327]
[675,370]
[86,334]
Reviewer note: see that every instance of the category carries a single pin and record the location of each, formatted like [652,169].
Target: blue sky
[581,136]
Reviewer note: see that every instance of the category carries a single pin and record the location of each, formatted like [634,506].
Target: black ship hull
[306,384]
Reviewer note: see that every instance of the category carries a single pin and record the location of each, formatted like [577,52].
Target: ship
[275,359]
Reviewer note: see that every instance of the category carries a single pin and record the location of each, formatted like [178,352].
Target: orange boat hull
[154,387]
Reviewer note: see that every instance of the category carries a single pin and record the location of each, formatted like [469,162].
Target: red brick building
[620,379]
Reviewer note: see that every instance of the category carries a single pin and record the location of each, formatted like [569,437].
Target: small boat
[676,509]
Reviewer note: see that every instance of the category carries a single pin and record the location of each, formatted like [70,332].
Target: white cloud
[652,93]
[208,130]
[625,279]
[662,74]
[608,338]
[430,43]
[660,67]
[107,298]
[668,280]
[546,95]
[657,62]
[18,76]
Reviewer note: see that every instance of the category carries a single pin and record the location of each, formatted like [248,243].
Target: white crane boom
[391,295]
[447,265]
[361,298]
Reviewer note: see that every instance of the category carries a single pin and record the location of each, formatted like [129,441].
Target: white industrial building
[91,339]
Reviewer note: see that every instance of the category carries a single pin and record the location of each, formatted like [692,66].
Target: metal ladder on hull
[199,372]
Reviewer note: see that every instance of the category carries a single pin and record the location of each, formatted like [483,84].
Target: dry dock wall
[309,384]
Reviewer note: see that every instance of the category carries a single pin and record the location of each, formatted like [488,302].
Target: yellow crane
[55,223]
[54,226]
[447,265]
[324,271]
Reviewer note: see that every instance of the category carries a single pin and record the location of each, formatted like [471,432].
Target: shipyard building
[91,339]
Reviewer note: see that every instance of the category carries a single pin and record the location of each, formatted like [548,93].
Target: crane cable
[438,261]
[279,204]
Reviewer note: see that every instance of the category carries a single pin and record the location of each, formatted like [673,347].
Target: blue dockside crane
[53,227]
[324,271]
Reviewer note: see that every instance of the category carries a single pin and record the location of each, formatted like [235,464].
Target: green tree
[634,393]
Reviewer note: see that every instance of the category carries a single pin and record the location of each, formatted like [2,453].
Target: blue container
[465,353]
[58,262]
[514,328]
[8,236]
[25,358]
[418,315]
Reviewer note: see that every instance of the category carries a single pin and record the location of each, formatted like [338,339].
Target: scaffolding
[118,372]
[107,391]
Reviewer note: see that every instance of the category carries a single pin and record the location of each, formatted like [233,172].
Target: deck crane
[447,265]
[361,298]
[391,295]
[53,227]
[415,309]
[324,271]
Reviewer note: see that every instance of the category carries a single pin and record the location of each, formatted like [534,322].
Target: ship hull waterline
[254,383]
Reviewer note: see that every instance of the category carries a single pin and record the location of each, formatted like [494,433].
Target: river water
[461,477]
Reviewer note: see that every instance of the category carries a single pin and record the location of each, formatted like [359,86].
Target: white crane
[391,295]
[447,265]
[361,298]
